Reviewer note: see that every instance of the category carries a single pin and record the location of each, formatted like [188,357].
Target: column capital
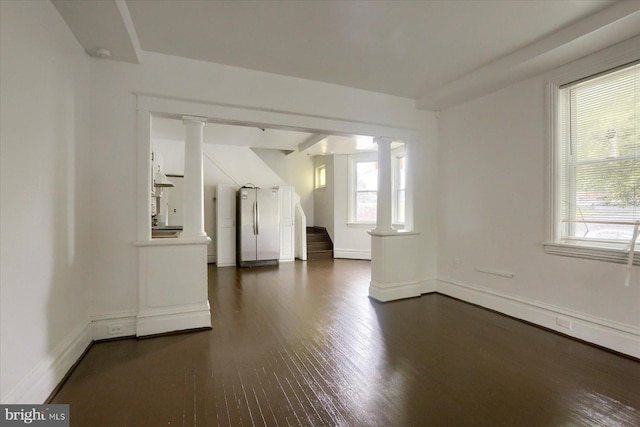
[194,119]
[382,140]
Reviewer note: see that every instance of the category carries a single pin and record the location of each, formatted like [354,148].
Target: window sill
[394,233]
[371,225]
[361,224]
[617,255]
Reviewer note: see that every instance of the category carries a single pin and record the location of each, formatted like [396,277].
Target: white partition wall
[172,272]
[392,251]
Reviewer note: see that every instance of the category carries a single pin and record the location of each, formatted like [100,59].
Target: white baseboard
[211,259]
[393,291]
[226,264]
[113,325]
[384,292]
[352,253]
[43,379]
[612,335]
[428,286]
[154,323]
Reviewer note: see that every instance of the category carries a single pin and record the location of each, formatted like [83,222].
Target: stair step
[318,238]
[319,246]
[320,255]
[316,230]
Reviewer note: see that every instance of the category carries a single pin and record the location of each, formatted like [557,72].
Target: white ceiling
[438,52]
[423,50]
[400,48]
[166,129]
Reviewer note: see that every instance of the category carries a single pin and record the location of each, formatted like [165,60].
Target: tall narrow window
[363,186]
[598,154]
[321,176]
[366,191]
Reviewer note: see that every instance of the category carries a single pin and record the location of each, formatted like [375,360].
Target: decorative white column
[393,260]
[193,207]
[384,207]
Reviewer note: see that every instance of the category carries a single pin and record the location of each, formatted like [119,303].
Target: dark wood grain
[301,344]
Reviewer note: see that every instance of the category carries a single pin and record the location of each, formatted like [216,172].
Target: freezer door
[247,212]
[268,226]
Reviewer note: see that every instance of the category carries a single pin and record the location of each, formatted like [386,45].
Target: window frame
[353,185]
[396,153]
[556,243]
[319,171]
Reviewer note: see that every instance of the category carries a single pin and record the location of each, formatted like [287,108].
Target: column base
[384,292]
[153,323]
[393,265]
[172,286]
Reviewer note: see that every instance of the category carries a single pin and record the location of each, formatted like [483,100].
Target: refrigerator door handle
[257,218]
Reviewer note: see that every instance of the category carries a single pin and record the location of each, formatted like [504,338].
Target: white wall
[114,140]
[296,169]
[422,211]
[323,198]
[45,200]
[492,215]
[351,241]
[243,164]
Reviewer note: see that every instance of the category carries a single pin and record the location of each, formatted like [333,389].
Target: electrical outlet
[563,323]
[115,329]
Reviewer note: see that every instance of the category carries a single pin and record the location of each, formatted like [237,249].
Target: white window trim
[368,157]
[395,155]
[351,189]
[317,185]
[606,251]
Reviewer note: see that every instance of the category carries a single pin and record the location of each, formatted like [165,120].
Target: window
[366,191]
[321,176]
[596,175]
[363,188]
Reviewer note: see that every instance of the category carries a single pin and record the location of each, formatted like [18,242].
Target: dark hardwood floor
[301,344]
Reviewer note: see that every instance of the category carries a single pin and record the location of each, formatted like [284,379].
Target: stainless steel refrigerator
[258,227]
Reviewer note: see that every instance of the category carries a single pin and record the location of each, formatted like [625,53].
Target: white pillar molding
[409,154]
[193,208]
[145,182]
[384,206]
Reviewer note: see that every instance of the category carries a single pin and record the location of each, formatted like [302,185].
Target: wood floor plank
[302,345]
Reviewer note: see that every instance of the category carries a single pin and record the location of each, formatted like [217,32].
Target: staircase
[319,244]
